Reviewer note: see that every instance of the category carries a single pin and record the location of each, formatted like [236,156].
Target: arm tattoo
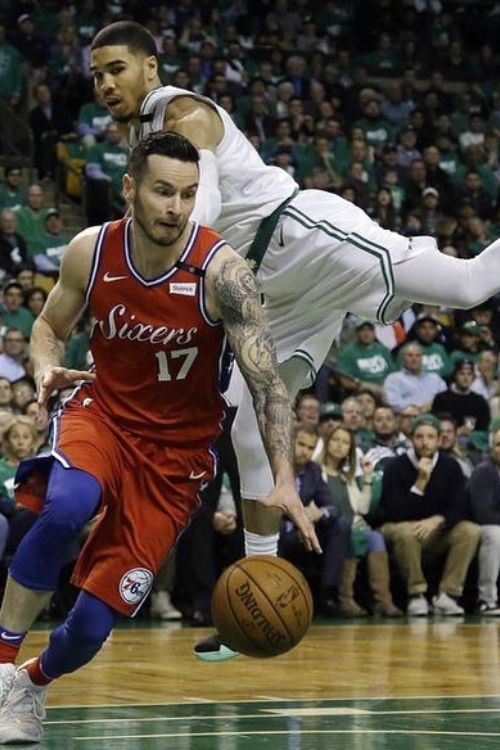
[250,338]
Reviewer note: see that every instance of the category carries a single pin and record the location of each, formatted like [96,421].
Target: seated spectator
[368,402]
[23,391]
[423,510]
[50,122]
[5,393]
[473,194]
[378,130]
[11,77]
[13,357]
[429,210]
[31,217]
[14,315]
[41,420]
[485,383]
[322,510]
[412,384]
[365,358]
[352,412]
[13,250]
[330,416]
[385,443]
[406,419]
[34,300]
[93,118]
[471,411]
[407,152]
[434,356]
[469,343]
[307,410]
[105,168]
[484,497]
[49,250]
[353,498]
[449,445]
[25,275]
[12,192]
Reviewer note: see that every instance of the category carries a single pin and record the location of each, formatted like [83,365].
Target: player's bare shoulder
[78,257]
[196,120]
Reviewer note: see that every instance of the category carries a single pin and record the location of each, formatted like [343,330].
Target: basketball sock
[258,544]
[36,673]
[10,643]
[74,643]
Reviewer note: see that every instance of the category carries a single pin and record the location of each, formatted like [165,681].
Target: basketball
[262,606]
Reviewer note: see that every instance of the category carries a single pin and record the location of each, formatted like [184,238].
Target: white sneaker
[23,712]
[418,606]
[162,607]
[7,672]
[489,609]
[446,605]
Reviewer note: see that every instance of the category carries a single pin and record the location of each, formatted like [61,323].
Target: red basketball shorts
[149,492]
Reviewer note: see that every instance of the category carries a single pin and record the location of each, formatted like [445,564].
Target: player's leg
[434,278]
[261,523]
[71,501]
[72,645]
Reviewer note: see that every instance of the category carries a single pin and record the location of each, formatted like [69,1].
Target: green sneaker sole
[223,654]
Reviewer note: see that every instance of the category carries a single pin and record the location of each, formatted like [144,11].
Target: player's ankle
[260,544]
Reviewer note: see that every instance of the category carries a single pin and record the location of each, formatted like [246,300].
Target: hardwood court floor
[420,685]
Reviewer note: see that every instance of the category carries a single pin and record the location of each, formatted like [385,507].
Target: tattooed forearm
[250,338]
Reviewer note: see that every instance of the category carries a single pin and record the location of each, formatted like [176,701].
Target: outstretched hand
[55,378]
[288,500]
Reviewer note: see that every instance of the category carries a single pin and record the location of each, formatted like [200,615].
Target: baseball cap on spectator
[470,328]
[426,317]
[430,191]
[52,212]
[426,419]
[329,410]
[364,322]
[24,17]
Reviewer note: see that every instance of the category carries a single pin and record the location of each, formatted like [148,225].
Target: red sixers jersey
[157,353]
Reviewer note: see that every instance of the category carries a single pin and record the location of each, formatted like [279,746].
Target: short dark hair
[127,33]
[163,143]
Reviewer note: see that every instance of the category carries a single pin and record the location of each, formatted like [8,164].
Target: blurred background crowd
[395,106]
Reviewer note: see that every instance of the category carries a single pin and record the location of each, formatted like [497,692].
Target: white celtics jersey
[250,189]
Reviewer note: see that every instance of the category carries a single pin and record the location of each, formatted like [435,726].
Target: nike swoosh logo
[107,277]
[197,476]
[7,637]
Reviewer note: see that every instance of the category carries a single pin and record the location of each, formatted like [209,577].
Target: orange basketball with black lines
[262,606]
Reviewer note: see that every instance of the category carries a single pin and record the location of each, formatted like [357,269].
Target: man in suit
[331,528]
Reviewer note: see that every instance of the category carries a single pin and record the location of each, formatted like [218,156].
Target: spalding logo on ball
[262,606]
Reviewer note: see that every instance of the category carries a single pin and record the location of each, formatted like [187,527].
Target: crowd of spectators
[394,106]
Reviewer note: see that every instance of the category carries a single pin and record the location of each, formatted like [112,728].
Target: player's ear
[151,68]
[128,188]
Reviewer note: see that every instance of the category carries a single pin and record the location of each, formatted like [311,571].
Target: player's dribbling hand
[55,378]
[288,500]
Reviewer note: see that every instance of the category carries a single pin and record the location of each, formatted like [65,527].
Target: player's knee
[72,499]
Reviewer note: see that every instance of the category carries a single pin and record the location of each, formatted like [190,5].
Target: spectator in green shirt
[105,168]
[52,244]
[435,358]
[31,218]
[365,358]
[12,193]
[14,315]
[469,337]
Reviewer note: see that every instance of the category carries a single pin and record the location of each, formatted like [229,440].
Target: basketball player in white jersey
[315,255]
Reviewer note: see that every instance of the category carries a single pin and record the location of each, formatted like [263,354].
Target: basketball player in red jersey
[133,441]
